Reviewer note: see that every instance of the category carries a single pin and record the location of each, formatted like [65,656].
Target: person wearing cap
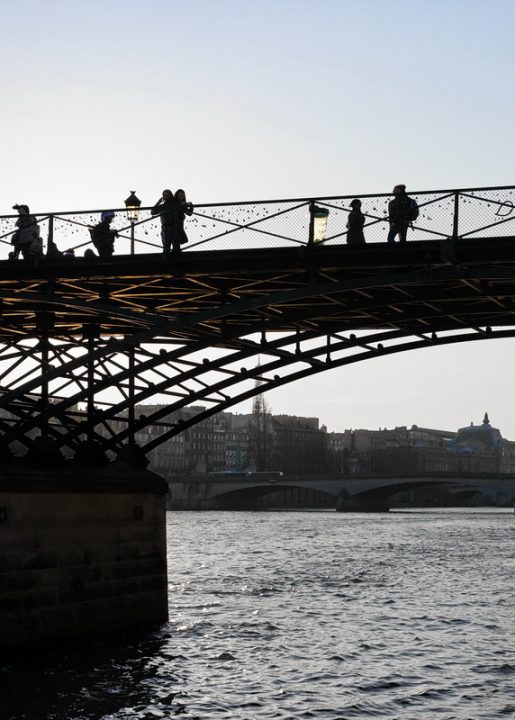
[355,223]
[27,238]
[103,236]
[399,214]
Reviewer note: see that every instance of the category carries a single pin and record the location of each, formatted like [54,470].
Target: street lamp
[133,205]
[318,223]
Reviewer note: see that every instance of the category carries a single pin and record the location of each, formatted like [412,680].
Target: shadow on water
[93,683]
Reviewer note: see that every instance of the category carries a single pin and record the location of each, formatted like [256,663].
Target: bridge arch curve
[304,313]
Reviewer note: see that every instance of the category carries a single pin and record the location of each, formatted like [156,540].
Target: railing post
[456,216]
[50,238]
[311,235]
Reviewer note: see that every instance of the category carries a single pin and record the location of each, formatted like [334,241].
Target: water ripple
[284,616]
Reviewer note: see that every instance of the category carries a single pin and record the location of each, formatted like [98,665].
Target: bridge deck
[137,329]
[438,284]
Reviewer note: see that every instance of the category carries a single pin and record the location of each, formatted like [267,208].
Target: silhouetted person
[172,209]
[165,207]
[402,210]
[27,238]
[355,223]
[183,208]
[53,251]
[102,235]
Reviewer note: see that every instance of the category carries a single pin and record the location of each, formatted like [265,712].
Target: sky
[261,99]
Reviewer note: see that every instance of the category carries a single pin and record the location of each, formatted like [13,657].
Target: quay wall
[82,554]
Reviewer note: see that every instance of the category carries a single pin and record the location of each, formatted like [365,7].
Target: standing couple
[172,210]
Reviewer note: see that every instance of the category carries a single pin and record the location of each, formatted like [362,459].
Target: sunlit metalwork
[84,341]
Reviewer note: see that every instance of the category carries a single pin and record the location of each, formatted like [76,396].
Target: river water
[306,615]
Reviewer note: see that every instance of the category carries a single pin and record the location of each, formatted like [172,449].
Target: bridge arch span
[310,312]
[241,383]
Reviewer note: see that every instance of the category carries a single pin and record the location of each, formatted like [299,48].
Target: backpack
[413,209]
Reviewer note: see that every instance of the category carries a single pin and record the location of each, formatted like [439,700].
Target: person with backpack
[27,238]
[102,235]
[402,211]
[183,208]
[172,210]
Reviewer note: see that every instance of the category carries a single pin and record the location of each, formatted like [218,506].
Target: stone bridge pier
[82,553]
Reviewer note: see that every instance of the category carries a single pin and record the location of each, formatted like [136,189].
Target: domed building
[477,439]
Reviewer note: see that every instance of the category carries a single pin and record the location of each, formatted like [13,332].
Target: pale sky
[247,99]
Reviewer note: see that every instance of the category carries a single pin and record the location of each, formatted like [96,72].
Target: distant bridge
[83,341]
[353,493]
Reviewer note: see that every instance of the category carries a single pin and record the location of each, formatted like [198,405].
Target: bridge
[83,341]
[351,493]
[263,294]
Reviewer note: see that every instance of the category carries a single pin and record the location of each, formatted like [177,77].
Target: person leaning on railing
[102,235]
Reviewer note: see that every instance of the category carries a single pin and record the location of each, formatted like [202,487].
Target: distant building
[299,445]
[476,448]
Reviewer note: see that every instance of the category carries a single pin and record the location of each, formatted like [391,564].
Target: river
[306,615]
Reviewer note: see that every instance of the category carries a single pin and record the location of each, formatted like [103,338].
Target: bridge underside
[84,342]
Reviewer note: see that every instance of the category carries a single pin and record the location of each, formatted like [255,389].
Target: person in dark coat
[172,210]
[183,208]
[103,236]
[355,223]
[400,214]
[165,207]
[27,238]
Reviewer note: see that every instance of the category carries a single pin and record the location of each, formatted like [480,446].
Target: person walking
[355,223]
[402,211]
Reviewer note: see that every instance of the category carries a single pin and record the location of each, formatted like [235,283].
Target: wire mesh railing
[459,213]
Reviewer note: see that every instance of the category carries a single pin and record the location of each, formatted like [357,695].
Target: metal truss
[83,343]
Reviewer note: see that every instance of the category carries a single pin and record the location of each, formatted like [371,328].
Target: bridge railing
[457,213]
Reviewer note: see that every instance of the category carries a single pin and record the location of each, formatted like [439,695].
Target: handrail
[444,214]
[311,198]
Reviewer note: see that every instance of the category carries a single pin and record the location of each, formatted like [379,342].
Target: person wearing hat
[355,223]
[103,236]
[402,210]
[27,238]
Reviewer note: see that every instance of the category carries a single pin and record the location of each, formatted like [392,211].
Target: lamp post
[317,223]
[133,205]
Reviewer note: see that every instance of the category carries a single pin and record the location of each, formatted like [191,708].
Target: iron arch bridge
[258,299]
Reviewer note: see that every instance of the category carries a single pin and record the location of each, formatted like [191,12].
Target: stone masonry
[82,555]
